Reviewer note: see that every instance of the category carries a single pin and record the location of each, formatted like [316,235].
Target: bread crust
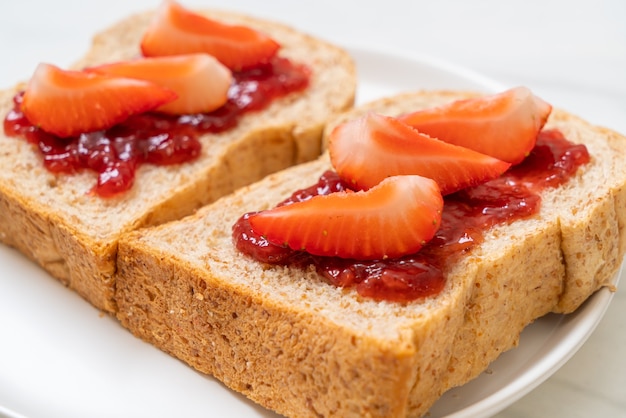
[58,223]
[299,346]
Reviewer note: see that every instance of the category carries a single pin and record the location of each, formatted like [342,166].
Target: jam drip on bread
[467,214]
[154,137]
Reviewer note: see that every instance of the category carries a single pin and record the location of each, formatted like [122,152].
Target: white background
[572,53]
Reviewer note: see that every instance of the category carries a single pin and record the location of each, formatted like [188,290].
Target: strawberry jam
[155,138]
[466,216]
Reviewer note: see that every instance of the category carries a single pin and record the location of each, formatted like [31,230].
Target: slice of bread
[297,345]
[56,222]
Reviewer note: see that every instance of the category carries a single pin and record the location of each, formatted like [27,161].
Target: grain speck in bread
[55,221]
[293,343]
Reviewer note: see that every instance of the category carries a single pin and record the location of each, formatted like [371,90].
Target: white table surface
[570,52]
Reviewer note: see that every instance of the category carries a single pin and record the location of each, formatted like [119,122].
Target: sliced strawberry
[176,30]
[394,218]
[369,149]
[68,103]
[200,81]
[503,125]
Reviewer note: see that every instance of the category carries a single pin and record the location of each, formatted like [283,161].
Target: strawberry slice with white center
[176,30]
[68,103]
[367,150]
[503,125]
[395,218]
[200,81]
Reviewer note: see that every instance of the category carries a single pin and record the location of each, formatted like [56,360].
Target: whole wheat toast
[55,221]
[297,345]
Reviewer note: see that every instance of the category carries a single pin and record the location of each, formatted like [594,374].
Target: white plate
[59,357]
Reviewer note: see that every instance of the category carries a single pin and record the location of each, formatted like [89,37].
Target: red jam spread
[466,216]
[155,138]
